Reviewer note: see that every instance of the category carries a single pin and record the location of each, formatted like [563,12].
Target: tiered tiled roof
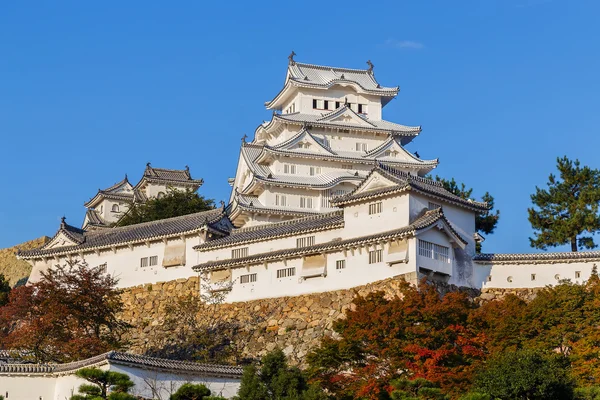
[127,359]
[277,230]
[259,152]
[262,173]
[424,221]
[94,219]
[537,258]
[106,238]
[406,182]
[244,202]
[113,193]
[169,176]
[405,133]
[324,77]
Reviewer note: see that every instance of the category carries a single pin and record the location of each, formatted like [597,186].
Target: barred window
[280,200]
[346,166]
[153,260]
[306,202]
[315,171]
[340,264]
[248,278]
[375,208]
[362,146]
[286,272]
[239,253]
[289,169]
[144,262]
[375,256]
[434,251]
[305,241]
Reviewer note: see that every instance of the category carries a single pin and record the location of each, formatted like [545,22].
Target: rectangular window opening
[239,253]
[286,272]
[434,251]
[375,208]
[248,278]
[340,264]
[305,241]
[375,256]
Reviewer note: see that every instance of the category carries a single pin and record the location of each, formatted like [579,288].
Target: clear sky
[90,91]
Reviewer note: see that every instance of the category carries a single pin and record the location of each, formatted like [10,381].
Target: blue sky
[90,91]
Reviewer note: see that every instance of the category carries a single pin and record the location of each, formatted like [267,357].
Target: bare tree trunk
[574,244]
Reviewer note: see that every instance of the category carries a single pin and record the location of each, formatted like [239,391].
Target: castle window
[533,277]
[340,264]
[315,171]
[153,261]
[361,146]
[286,272]
[315,103]
[337,105]
[305,241]
[306,202]
[289,169]
[239,253]
[280,200]
[433,206]
[375,208]
[434,251]
[375,256]
[248,278]
[326,105]
[346,166]
[577,274]
[160,195]
[362,108]
[115,208]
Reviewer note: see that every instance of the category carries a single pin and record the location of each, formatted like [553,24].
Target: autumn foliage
[449,340]
[69,314]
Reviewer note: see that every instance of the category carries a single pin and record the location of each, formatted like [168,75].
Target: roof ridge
[284,223]
[327,67]
[156,222]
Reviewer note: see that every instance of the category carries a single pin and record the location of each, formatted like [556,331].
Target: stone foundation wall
[294,324]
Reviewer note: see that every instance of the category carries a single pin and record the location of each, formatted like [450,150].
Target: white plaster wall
[167,383]
[124,264]
[304,97]
[27,387]
[433,235]
[520,275]
[394,215]
[358,272]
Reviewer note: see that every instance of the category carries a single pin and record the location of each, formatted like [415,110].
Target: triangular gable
[444,226]
[392,150]
[60,240]
[345,115]
[375,181]
[125,188]
[305,141]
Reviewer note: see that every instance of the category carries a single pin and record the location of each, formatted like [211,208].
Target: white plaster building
[109,205]
[325,197]
[154,378]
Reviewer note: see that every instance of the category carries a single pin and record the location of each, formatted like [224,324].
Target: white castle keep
[325,197]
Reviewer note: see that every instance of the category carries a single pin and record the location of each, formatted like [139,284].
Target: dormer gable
[66,235]
[346,115]
[375,181]
[305,141]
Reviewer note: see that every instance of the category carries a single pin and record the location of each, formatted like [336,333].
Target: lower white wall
[531,275]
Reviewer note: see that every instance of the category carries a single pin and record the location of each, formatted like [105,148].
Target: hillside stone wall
[294,324]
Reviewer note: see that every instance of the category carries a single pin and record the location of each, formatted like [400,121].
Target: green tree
[190,391]
[276,380]
[104,385]
[416,389]
[526,375]
[485,222]
[174,204]
[4,290]
[568,209]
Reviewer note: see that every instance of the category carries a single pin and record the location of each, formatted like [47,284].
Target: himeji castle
[325,197]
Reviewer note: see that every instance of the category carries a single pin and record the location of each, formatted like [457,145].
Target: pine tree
[567,209]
